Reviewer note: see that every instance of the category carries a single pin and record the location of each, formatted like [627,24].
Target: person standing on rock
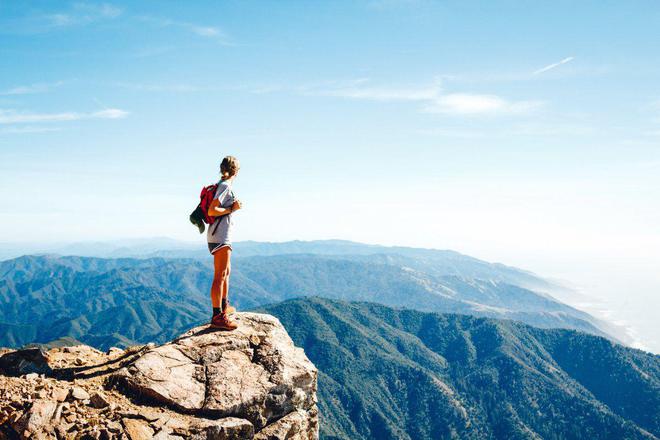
[218,237]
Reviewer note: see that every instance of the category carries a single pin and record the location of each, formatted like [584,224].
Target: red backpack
[206,197]
[201,213]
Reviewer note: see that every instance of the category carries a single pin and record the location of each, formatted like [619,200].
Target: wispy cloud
[472,104]
[108,113]
[213,32]
[203,31]
[83,13]
[76,14]
[14,117]
[359,89]
[432,98]
[30,89]
[553,65]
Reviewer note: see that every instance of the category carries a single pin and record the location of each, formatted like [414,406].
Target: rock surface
[30,361]
[206,384]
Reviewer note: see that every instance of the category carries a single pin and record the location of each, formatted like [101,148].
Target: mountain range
[125,301]
[443,262]
[410,343]
[402,374]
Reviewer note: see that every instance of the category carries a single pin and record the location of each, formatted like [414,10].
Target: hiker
[218,237]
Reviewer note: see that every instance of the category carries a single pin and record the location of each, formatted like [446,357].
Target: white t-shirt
[219,232]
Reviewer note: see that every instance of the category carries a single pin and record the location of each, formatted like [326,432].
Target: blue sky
[522,132]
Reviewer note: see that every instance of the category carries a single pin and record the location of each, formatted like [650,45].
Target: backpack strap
[217,223]
[219,219]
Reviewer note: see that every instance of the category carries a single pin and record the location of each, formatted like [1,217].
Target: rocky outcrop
[31,360]
[206,384]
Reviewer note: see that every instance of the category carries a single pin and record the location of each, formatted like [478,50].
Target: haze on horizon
[525,136]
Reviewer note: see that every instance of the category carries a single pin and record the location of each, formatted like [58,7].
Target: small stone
[79,361]
[79,393]
[60,394]
[163,434]
[40,415]
[149,416]
[230,428]
[138,429]
[31,376]
[58,413]
[98,400]
[176,424]
[114,426]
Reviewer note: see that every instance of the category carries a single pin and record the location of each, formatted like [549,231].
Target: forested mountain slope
[404,374]
[105,302]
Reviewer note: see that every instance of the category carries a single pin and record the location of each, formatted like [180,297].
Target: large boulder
[204,385]
[26,361]
[253,373]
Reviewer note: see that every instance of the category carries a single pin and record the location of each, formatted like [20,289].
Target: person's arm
[215,210]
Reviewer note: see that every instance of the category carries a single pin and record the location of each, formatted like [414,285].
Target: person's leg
[222,319]
[225,281]
[220,263]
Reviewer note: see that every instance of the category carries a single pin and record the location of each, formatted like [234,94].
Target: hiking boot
[230,309]
[223,322]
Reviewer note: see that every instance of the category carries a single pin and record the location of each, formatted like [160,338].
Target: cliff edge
[205,384]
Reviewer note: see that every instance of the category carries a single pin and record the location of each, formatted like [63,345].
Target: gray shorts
[215,246]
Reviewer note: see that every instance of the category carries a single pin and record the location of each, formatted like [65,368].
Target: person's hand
[236,206]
